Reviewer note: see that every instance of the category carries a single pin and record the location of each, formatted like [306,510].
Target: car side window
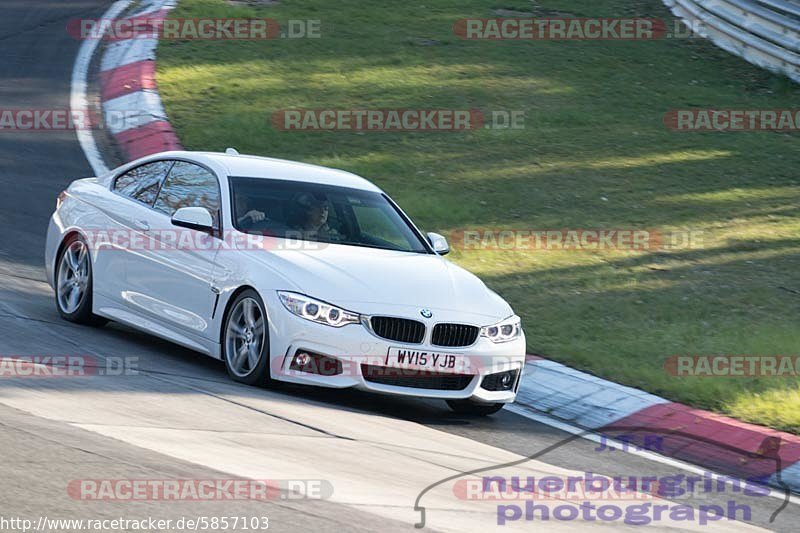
[189,185]
[142,183]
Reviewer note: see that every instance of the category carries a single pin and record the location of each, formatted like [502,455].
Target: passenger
[313,221]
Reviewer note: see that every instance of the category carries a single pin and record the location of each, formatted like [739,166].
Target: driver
[251,216]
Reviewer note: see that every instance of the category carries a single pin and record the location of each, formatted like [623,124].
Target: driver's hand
[255,216]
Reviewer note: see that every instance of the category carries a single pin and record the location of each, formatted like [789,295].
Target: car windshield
[320,213]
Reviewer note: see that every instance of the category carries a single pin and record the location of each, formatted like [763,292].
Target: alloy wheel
[245,337]
[73,277]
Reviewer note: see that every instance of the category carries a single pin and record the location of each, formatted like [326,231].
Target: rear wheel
[245,342]
[73,283]
[470,407]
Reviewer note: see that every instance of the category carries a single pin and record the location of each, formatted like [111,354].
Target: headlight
[507,330]
[316,310]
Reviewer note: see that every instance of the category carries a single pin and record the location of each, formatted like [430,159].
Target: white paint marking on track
[79,104]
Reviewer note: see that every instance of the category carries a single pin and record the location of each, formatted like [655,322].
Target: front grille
[454,335]
[415,379]
[398,329]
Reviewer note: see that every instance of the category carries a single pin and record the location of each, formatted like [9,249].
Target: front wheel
[74,284]
[245,342]
[470,407]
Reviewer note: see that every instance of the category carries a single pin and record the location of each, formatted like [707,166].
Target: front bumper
[354,346]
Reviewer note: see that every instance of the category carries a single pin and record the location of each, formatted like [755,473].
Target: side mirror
[197,218]
[439,243]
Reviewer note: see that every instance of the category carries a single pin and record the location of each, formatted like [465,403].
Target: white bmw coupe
[285,271]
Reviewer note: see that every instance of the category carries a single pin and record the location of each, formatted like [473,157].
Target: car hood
[369,280]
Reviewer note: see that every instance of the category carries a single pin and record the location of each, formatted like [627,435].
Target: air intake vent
[398,329]
[454,335]
[500,381]
[415,379]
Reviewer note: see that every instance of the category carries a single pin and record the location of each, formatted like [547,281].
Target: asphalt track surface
[180,417]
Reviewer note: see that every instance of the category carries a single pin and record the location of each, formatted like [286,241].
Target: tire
[470,407]
[245,340]
[74,283]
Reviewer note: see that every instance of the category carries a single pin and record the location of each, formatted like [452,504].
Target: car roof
[251,166]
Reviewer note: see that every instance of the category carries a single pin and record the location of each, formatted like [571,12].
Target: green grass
[594,153]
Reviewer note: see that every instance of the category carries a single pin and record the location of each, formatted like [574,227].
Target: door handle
[142,225]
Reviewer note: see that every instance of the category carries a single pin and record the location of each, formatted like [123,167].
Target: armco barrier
[764,32]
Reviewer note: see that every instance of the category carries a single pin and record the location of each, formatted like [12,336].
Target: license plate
[423,359]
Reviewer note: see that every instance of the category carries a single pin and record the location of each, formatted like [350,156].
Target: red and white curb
[131,104]
[693,435]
